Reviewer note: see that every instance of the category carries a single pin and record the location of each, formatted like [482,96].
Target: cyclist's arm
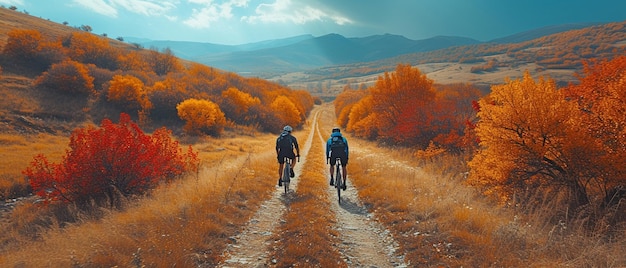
[295,144]
[328,148]
[347,150]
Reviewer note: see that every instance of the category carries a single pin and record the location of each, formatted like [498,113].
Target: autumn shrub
[90,48]
[68,77]
[286,111]
[164,103]
[29,48]
[22,44]
[108,160]
[133,61]
[163,62]
[128,91]
[201,116]
[236,105]
[100,76]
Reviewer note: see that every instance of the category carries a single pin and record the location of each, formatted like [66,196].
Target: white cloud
[99,6]
[111,7]
[16,3]
[211,12]
[143,7]
[286,11]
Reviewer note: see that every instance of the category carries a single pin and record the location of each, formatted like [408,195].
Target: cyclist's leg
[292,163]
[281,165]
[344,161]
[333,162]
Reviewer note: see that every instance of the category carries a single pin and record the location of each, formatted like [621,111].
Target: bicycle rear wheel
[286,178]
[338,182]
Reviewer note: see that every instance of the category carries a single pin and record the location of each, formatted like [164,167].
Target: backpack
[284,142]
[337,143]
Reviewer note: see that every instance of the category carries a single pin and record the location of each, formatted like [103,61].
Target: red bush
[113,157]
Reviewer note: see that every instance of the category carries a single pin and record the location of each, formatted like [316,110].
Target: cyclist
[285,143]
[337,147]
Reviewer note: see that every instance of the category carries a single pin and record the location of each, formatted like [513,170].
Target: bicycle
[338,179]
[287,173]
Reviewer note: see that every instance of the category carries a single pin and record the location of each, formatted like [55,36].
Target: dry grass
[439,221]
[17,152]
[187,223]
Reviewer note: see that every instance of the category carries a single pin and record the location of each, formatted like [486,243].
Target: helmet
[336,130]
[288,128]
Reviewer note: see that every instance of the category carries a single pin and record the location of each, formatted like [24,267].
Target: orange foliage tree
[236,105]
[601,98]
[454,115]
[531,142]
[133,61]
[131,92]
[344,103]
[201,116]
[286,111]
[398,110]
[361,120]
[90,48]
[112,158]
[69,77]
[163,62]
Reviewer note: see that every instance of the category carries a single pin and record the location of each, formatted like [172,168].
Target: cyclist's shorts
[341,155]
[282,155]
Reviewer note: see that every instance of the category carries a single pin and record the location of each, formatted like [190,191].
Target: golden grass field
[437,220]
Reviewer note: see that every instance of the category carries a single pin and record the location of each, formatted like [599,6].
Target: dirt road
[364,242]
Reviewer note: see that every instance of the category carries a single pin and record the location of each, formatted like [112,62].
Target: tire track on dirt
[364,241]
[250,247]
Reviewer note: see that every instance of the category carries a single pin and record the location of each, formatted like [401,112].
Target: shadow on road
[352,207]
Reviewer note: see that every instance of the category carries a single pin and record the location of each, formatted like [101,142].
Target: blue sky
[245,21]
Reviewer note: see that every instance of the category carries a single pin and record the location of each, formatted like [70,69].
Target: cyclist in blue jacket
[337,147]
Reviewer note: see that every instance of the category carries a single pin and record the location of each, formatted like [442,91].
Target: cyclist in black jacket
[285,143]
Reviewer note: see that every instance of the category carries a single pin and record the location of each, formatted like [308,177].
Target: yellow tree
[361,120]
[344,103]
[237,104]
[284,109]
[529,140]
[201,116]
[133,61]
[90,48]
[131,92]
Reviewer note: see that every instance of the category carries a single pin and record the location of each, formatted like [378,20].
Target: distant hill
[303,52]
[558,56]
[190,50]
[300,53]
[540,32]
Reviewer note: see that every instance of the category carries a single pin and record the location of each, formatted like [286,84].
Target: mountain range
[300,53]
